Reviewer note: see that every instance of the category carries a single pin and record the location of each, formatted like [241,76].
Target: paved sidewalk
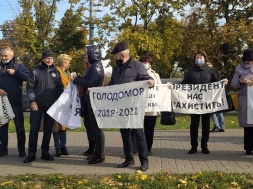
[170,154]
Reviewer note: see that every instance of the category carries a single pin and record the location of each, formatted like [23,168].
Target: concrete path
[170,154]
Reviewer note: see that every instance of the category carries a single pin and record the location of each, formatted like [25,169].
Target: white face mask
[199,62]
[146,66]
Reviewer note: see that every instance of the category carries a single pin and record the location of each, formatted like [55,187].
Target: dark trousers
[128,145]
[35,121]
[194,127]
[20,131]
[248,138]
[87,124]
[98,133]
[149,129]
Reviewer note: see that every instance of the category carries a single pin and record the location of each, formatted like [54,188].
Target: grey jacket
[242,71]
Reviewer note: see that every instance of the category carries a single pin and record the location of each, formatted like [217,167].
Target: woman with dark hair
[150,117]
[200,73]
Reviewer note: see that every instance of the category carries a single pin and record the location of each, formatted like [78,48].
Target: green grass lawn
[183,122]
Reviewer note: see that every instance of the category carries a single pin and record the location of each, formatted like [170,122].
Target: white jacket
[157,80]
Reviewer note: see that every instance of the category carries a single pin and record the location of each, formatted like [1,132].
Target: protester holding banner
[128,70]
[242,79]
[44,87]
[12,75]
[200,73]
[94,77]
[84,114]
[59,131]
[150,117]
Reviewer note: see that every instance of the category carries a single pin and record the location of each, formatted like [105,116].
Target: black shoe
[47,157]
[64,151]
[249,152]
[90,157]
[88,152]
[150,153]
[215,129]
[22,154]
[193,151]
[144,166]
[95,160]
[29,158]
[57,152]
[222,130]
[126,163]
[4,154]
[205,150]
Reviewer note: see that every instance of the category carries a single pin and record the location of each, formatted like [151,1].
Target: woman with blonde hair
[59,131]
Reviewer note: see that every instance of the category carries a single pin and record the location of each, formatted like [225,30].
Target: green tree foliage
[71,36]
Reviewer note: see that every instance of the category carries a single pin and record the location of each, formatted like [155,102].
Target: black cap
[247,55]
[120,46]
[46,53]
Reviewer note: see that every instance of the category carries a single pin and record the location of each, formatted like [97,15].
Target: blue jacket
[12,84]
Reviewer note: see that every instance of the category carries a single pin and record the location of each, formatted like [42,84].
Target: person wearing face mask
[150,117]
[44,87]
[128,70]
[12,75]
[242,78]
[200,73]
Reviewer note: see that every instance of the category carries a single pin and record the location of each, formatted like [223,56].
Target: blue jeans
[60,139]
[218,120]
[35,121]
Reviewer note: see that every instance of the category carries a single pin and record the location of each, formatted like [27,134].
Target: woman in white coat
[150,117]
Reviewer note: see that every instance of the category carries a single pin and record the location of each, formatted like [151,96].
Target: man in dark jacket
[94,77]
[12,75]
[129,70]
[44,87]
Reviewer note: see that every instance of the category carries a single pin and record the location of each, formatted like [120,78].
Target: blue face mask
[199,62]
[146,66]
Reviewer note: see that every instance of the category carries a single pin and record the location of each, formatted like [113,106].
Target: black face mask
[119,62]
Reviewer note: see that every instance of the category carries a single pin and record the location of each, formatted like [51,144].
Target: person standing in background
[12,75]
[217,117]
[150,117]
[44,87]
[242,78]
[60,137]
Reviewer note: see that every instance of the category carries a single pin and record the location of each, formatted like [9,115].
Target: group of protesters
[46,82]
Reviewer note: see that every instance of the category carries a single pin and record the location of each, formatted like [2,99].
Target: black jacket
[44,85]
[131,71]
[94,77]
[12,84]
[200,75]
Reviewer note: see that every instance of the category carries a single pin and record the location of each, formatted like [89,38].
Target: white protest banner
[67,108]
[159,98]
[250,104]
[199,99]
[120,106]
[6,112]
